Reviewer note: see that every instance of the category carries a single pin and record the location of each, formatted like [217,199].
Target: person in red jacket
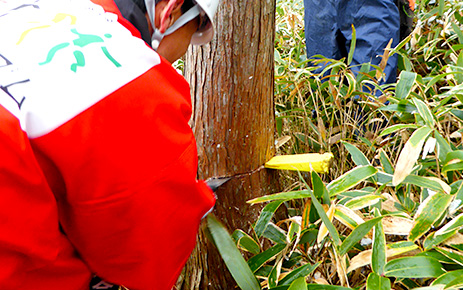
[98,171]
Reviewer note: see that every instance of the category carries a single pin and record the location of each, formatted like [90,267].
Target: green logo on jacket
[77,47]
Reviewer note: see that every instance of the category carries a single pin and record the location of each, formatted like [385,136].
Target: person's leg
[321,28]
[376,22]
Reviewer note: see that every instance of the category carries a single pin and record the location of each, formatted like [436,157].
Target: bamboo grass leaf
[443,147]
[348,217]
[275,234]
[299,284]
[384,178]
[376,282]
[397,127]
[455,284]
[424,112]
[265,216]
[448,277]
[245,242]
[394,249]
[452,167]
[414,267]
[275,274]
[323,231]
[325,287]
[458,31]
[455,256]
[454,224]
[428,213]
[357,156]
[433,240]
[457,203]
[321,212]
[268,255]
[394,225]
[357,234]
[405,84]
[352,46]
[320,191]
[433,253]
[453,156]
[363,201]
[299,273]
[427,182]
[441,7]
[301,162]
[436,79]
[409,154]
[231,256]
[386,162]
[378,259]
[350,179]
[283,196]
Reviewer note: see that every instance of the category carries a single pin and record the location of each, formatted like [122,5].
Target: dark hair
[187,4]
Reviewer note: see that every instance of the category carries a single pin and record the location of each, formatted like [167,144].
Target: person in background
[328,31]
[98,171]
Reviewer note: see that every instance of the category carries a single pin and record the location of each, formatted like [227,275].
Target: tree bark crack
[240,175]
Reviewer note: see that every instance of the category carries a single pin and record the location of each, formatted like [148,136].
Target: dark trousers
[328,30]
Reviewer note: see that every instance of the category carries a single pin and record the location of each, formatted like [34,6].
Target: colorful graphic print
[76,45]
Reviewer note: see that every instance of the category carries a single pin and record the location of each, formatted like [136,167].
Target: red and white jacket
[98,163]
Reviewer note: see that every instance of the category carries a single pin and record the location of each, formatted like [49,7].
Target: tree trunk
[232,82]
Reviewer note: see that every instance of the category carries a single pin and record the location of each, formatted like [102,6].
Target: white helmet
[206,27]
[206,9]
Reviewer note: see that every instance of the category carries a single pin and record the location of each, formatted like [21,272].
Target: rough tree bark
[232,82]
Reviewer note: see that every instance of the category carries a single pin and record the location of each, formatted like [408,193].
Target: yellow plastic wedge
[303,162]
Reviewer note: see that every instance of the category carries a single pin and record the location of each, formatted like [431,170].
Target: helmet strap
[157,36]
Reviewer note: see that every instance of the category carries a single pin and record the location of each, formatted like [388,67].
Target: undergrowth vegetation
[389,214]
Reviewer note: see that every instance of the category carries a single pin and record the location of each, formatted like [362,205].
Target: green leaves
[298,274]
[404,87]
[397,127]
[454,225]
[352,45]
[357,156]
[409,154]
[283,196]
[350,179]
[424,112]
[363,201]
[428,213]
[456,256]
[245,242]
[427,182]
[376,282]
[299,284]
[321,212]
[396,189]
[414,267]
[265,217]
[448,277]
[381,189]
[231,256]
[357,234]
[378,258]
[259,260]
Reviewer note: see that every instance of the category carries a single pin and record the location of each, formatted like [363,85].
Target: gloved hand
[98,283]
